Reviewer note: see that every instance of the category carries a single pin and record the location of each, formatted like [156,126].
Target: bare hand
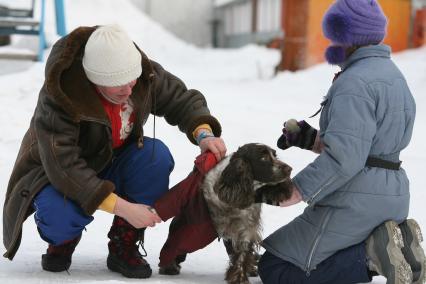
[295,198]
[138,215]
[215,144]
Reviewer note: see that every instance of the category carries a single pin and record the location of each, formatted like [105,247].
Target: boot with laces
[124,256]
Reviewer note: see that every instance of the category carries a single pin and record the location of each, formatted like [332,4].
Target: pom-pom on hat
[111,58]
[355,23]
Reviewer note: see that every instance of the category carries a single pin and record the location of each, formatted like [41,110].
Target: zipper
[330,181]
[311,254]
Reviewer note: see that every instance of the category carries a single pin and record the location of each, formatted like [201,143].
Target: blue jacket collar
[380,50]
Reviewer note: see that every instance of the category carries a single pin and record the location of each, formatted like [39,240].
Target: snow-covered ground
[241,91]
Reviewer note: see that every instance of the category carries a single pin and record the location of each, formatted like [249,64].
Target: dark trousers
[345,267]
[141,175]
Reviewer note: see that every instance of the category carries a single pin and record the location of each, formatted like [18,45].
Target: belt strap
[379,163]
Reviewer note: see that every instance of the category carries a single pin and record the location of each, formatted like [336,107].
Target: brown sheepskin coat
[69,139]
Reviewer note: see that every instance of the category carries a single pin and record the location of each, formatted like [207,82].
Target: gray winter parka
[369,111]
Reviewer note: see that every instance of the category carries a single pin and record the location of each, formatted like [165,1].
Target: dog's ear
[235,186]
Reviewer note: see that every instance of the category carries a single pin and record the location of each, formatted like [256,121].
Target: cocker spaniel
[234,191]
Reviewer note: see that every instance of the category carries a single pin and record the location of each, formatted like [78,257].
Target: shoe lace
[140,245]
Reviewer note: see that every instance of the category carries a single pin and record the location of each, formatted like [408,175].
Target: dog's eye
[265,158]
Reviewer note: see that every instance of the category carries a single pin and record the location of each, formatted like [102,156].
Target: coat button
[25,193]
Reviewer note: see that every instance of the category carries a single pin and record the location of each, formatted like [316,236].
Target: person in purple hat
[355,225]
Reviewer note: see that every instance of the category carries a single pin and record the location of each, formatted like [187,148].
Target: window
[238,18]
[269,15]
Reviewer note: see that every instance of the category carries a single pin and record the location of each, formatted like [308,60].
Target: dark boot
[124,256]
[413,251]
[58,258]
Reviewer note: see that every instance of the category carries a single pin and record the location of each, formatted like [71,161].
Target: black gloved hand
[297,133]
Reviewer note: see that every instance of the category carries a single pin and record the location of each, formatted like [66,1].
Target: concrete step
[10,22]
[18,56]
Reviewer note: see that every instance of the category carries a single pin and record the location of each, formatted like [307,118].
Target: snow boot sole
[413,251]
[117,265]
[385,255]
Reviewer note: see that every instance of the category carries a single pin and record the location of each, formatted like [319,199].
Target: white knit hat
[111,58]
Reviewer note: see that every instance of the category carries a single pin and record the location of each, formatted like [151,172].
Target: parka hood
[68,85]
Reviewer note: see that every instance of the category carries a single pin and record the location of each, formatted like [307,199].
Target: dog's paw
[274,194]
[253,272]
[171,269]
[236,275]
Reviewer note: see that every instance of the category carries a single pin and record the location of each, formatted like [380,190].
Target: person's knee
[264,267]
[162,155]
[274,270]
[261,267]
[56,229]
[157,154]
[56,215]
[146,172]
[58,220]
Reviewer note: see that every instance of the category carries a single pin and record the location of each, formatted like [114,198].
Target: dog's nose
[286,169]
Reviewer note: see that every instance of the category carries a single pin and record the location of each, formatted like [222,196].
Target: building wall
[399,13]
[241,22]
[295,26]
[190,20]
[417,4]
[234,23]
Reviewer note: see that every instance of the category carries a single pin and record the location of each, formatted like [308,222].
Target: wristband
[203,135]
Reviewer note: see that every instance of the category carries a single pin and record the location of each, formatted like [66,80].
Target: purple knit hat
[354,22]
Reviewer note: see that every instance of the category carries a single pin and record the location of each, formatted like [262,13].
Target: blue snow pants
[140,175]
[344,267]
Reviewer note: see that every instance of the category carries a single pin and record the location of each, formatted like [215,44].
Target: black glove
[297,133]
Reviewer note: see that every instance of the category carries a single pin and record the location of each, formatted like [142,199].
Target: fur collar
[68,85]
